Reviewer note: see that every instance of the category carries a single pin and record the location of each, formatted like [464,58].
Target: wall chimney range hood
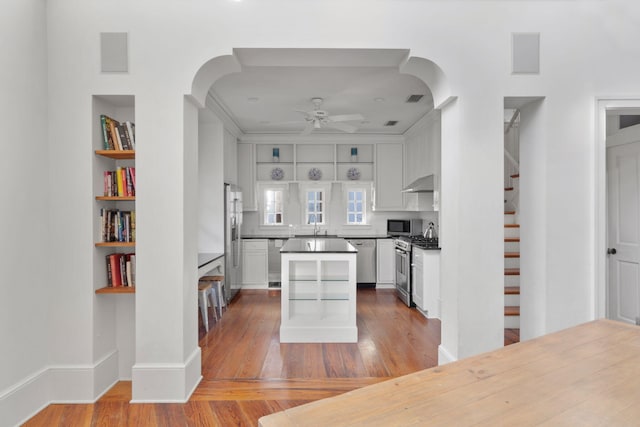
[423,184]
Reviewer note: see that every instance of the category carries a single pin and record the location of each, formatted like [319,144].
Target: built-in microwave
[404,227]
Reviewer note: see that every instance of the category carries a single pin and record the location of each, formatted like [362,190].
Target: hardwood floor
[248,373]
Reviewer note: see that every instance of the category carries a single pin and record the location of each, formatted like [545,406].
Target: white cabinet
[417,279]
[247,176]
[425,281]
[318,297]
[388,189]
[255,271]
[386,262]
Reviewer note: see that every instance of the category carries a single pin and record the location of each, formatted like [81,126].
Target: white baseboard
[57,384]
[385,286]
[166,382]
[24,400]
[444,356]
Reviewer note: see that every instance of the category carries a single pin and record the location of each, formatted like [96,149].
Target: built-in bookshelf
[114,193]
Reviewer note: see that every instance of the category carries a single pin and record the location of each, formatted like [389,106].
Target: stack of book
[116,135]
[117,225]
[121,270]
[121,182]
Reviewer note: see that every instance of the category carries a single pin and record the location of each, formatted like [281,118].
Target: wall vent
[412,99]
[114,55]
[391,123]
[627,120]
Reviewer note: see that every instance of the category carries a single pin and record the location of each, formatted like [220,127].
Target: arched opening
[219,68]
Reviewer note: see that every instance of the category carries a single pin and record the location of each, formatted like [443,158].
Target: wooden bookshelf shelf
[115,244]
[117,154]
[117,198]
[118,290]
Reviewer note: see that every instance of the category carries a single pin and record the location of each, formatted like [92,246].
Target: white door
[623,180]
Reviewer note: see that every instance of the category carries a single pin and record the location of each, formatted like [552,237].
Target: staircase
[511,260]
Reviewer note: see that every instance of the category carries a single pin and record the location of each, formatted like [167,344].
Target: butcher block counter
[585,375]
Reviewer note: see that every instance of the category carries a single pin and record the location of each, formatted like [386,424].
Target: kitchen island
[318,291]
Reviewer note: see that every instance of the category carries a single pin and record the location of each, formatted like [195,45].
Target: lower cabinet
[386,262]
[425,281]
[255,271]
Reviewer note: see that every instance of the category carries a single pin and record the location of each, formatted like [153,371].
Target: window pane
[319,218]
[352,206]
[278,218]
[359,207]
[319,195]
[351,195]
[351,218]
[359,218]
[312,219]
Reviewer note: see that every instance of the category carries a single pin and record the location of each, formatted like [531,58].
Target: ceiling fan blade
[346,118]
[342,126]
[307,129]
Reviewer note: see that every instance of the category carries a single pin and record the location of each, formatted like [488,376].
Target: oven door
[403,279]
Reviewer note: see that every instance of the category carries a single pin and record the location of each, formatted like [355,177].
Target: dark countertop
[320,245]
[426,249]
[207,257]
[321,236]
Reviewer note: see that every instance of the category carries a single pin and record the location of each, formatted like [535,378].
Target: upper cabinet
[246,176]
[388,194]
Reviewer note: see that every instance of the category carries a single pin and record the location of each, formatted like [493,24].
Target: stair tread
[510,212]
[512,290]
[512,239]
[511,271]
[508,189]
[511,310]
[515,175]
[512,254]
[512,225]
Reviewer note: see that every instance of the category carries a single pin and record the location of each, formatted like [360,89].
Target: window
[315,207]
[356,211]
[273,207]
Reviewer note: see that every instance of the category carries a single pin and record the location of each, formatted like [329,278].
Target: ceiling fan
[317,119]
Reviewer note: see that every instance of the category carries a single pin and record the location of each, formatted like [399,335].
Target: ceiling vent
[391,123]
[412,99]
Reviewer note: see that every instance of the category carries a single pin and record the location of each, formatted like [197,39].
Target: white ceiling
[274,83]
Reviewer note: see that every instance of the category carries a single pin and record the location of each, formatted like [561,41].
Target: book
[131,128]
[114,134]
[122,135]
[109,273]
[120,191]
[105,136]
[115,270]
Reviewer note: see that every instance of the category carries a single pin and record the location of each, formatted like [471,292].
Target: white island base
[319,292]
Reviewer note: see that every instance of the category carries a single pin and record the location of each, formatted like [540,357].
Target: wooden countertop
[585,375]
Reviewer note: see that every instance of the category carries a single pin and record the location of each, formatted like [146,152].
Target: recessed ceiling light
[379,99]
[253,99]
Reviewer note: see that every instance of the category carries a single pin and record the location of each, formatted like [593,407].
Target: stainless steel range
[404,245]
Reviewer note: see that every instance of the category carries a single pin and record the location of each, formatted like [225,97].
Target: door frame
[601,222]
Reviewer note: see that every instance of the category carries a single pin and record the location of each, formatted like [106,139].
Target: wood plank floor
[247,373]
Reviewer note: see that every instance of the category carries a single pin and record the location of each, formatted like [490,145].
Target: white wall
[26,286]
[587,50]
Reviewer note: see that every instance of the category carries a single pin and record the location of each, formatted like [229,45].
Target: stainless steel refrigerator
[232,239]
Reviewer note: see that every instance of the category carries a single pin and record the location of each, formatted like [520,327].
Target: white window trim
[262,188]
[364,205]
[315,186]
[368,199]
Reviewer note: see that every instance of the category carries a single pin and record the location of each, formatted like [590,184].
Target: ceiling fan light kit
[319,119]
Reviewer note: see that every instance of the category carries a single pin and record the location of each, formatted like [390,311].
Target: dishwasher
[273,262]
[365,261]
